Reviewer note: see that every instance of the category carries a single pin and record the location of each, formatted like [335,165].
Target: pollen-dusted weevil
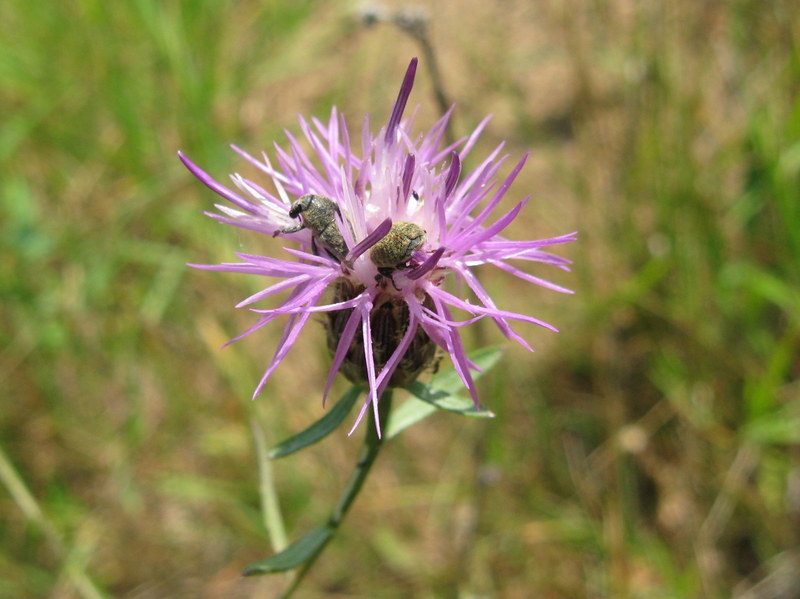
[394,251]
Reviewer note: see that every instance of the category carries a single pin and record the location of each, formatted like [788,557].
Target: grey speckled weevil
[319,216]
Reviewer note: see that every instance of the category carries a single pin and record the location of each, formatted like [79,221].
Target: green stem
[372,445]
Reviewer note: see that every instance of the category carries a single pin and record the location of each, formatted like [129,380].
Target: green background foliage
[651,449]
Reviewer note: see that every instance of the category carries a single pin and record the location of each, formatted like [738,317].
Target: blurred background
[650,449]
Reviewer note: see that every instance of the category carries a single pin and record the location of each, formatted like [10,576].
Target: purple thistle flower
[403,218]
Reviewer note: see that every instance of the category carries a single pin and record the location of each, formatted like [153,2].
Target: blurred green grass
[648,450]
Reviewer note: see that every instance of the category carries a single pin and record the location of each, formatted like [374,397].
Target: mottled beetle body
[319,216]
[395,250]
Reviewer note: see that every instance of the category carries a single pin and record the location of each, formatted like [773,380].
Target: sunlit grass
[648,450]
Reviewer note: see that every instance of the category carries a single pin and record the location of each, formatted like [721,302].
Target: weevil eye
[300,206]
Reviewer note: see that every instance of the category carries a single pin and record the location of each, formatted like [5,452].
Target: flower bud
[389,321]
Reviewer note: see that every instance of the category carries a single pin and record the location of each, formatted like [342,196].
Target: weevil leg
[293,229]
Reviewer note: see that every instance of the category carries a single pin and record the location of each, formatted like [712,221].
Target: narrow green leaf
[294,555]
[320,429]
[442,393]
[411,412]
[444,400]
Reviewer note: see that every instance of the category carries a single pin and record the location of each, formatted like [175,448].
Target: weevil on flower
[319,216]
[394,251]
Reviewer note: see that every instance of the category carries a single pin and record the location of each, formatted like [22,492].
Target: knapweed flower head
[382,222]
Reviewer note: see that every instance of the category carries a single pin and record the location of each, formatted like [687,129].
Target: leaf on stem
[442,393]
[294,555]
[320,429]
